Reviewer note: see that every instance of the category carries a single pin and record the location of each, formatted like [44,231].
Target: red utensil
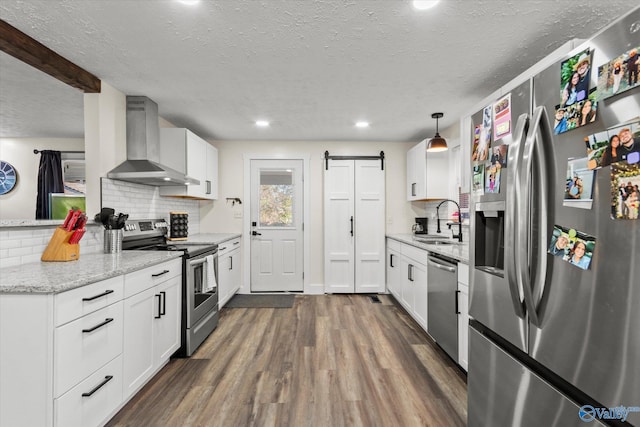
[72,222]
[76,236]
[67,219]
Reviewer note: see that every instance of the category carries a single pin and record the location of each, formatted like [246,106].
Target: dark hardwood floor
[331,360]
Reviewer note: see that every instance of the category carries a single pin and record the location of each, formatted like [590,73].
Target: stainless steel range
[199,278]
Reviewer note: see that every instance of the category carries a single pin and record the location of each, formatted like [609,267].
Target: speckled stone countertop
[459,252]
[56,277]
[210,238]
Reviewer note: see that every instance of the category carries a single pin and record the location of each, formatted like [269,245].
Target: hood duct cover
[143,148]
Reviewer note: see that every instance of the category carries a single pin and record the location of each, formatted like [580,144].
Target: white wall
[219,216]
[20,203]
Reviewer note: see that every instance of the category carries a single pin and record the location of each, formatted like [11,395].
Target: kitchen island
[56,277]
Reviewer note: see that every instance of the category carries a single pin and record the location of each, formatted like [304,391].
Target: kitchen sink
[436,241]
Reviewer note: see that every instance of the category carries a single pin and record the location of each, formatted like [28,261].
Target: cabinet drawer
[77,302]
[394,245]
[146,278]
[463,273]
[228,246]
[105,389]
[86,344]
[418,255]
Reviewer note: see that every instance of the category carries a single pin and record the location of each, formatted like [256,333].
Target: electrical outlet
[237,215]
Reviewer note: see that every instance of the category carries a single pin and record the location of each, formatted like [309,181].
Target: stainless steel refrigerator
[553,344]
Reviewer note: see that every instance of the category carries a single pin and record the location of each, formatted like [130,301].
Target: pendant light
[437,143]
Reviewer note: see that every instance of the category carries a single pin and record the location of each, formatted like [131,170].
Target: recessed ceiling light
[189,2]
[166,178]
[262,123]
[362,124]
[424,4]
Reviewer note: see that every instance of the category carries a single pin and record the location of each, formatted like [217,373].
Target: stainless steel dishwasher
[442,279]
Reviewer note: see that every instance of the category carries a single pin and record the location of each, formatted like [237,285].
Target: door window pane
[276,198]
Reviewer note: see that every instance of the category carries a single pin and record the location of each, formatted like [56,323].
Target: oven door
[201,287]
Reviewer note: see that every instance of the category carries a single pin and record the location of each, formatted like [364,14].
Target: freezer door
[503,392]
[588,319]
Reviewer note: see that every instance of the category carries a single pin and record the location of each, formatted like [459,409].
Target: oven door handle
[198,261]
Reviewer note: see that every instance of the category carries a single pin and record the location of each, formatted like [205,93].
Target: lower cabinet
[463,315]
[407,278]
[151,323]
[229,276]
[75,358]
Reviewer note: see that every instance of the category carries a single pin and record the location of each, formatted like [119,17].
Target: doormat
[261,301]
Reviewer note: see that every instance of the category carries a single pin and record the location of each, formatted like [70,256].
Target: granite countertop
[210,238]
[459,252]
[56,277]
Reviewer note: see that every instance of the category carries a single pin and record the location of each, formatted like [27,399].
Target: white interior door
[339,218]
[276,225]
[369,250]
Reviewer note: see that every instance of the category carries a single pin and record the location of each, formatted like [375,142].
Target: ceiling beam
[28,50]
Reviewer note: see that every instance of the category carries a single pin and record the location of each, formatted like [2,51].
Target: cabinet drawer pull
[99,386]
[236,243]
[108,320]
[160,274]
[222,249]
[105,293]
[391,260]
[164,303]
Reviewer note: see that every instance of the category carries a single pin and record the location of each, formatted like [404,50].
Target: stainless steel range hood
[143,148]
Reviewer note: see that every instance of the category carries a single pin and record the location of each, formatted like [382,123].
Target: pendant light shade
[437,143]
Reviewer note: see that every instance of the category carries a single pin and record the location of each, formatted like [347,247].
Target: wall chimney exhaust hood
[143,148]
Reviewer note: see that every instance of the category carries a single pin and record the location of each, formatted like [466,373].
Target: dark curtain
[49,181]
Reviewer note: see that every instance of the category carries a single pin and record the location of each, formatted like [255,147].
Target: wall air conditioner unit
[73,171]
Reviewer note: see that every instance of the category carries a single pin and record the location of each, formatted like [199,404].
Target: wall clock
[8,177]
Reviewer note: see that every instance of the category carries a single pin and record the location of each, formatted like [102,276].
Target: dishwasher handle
[441,264]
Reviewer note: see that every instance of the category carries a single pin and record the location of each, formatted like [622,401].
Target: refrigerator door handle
[532,266]
[514,160]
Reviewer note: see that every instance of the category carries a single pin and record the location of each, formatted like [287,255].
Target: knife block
[59,248]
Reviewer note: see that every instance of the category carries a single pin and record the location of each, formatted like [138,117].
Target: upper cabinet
[427,174]
[186,152]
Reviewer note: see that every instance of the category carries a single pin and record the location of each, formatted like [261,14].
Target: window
[276,198]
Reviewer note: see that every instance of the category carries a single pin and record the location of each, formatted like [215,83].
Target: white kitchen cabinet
[394,272]
[427,173]
[152,316]
[354,224]
[186,152]
[463,315]
[228,270]
[410,281]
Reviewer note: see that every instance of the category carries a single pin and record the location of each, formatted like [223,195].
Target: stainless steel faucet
[455,236]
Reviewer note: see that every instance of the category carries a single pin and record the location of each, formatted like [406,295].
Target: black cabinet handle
[413,189]
[255,233]
[208,186]
[160,274]
[391,260]
[222,249]
[231,263]
[236,243]
[108,320]
[352,225]
[410,273]
[105,293]
[457,308]
[164,303]
[159,307]
[99,386]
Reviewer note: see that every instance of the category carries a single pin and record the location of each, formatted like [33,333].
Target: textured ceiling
[311,67]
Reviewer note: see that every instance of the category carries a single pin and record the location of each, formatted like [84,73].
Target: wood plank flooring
[331,360]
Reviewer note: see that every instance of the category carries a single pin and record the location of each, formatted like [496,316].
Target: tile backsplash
[22,245]
[144,201]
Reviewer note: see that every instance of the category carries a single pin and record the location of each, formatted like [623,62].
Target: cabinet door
[211,182]
[167,327]
[463,326]
[436,173]
[420,286]
[197,164]
[235,273]
[224,279]
[139,312]
[411,175]
[394,274]
[407,271]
